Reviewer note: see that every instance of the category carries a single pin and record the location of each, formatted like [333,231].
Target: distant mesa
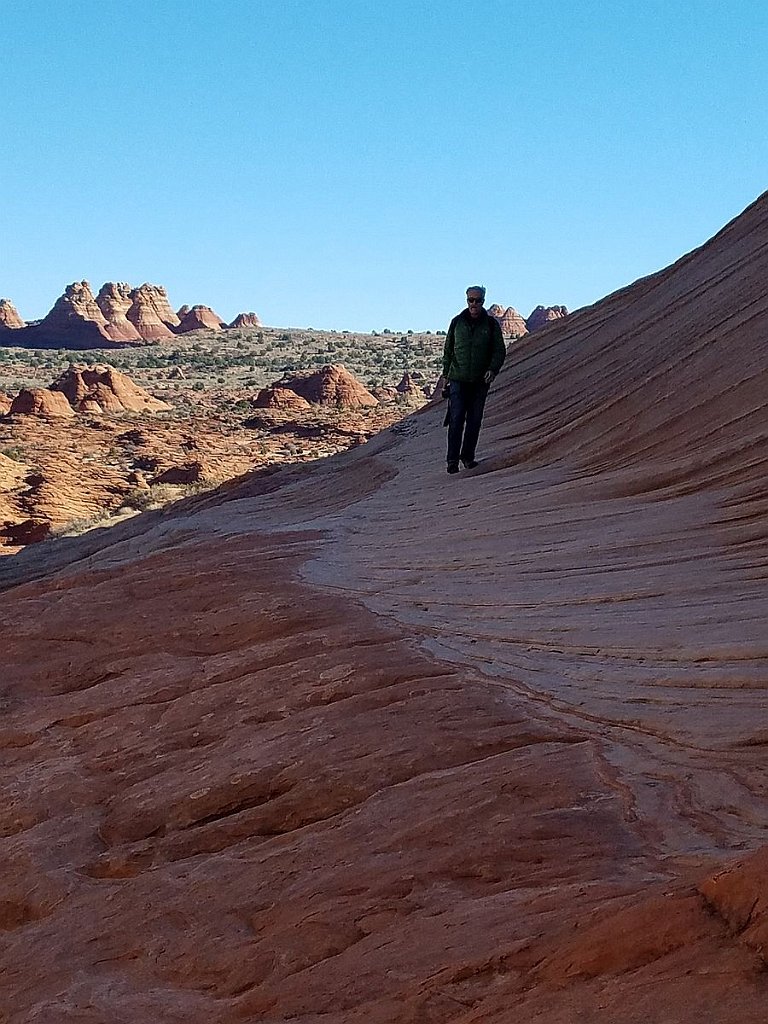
[544,315]
[511,322]
[333,385]
[245,320]
[41,402]
[201,318]
[119,316]
[9,317]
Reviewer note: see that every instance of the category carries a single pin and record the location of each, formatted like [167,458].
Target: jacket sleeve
[499,348]
[448,348]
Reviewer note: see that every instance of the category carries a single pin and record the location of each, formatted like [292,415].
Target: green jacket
[472,347]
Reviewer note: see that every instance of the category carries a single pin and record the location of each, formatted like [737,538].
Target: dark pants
[467,402]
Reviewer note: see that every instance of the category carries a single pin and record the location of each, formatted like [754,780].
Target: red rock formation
[5,404]
[182,312]
[383,393]
[511,322]
[277,397]
[75,321]
[543,315]
[114,301]
[40,402]
[9,317]
[151,314]
[410,389]
[246,320]
[108,388]
[331,385]
[201,318]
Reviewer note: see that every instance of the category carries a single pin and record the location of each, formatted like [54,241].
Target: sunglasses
[474,302]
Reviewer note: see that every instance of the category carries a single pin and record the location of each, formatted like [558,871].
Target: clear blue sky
[356,164]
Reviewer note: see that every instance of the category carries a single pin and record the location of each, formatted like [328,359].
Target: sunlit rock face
[330,385]
[151,313]
[246,320]
[114,301]
[9,316]
[107,387]
[511,322]
[199,318]
[365,742]
[40,402]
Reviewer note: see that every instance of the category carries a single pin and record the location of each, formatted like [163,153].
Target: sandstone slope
[361,742]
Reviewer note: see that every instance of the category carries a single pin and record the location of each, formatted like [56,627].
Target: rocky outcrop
[333,384]
[114,301]
[28,531]
[182,311]
[41,402]
[201,318]
[511,322]
[5,404]
[283,398]
[75,321]
[543,315]
[76,306]
[246,320]
[410,389]
[151,314]
[104,389]
[384,393]
[188,473]
[9,316]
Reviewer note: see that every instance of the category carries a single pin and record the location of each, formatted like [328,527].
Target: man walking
[473,355]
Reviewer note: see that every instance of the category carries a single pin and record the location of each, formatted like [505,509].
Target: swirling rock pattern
[362,742]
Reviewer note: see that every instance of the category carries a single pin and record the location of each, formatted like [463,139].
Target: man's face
[474,302]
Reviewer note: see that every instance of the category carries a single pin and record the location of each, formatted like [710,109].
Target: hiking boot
[453,467]
[469,463]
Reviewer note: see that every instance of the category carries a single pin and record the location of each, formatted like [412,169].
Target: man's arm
[499,348]
[448,348]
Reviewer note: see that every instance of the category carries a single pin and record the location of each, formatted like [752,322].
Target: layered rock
[114,301]
[182,311]
[284,398]
[41,402]
[151,314]
[9,316]
[201,318]
[543,315]
[246,320]
[333,384]
[5,404]
[75,321]
[511,322]
[104,389]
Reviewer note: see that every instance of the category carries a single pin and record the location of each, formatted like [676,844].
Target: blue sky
[356,164]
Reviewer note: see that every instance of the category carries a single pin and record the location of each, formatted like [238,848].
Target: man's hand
[489,376]
[446,391]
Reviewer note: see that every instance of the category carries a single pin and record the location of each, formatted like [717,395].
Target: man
[473,355]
